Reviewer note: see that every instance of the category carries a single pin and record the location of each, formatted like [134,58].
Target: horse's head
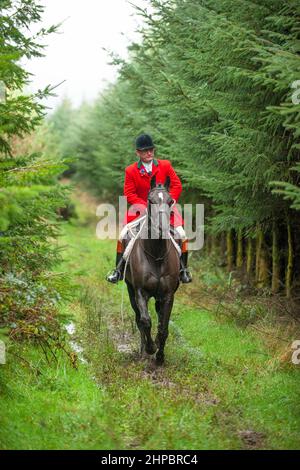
[159,208]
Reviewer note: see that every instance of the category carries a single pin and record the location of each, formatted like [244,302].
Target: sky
[75,54]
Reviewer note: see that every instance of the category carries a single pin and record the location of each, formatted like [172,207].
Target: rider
[136,188]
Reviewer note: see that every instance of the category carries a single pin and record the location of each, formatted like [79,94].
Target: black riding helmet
[144,142]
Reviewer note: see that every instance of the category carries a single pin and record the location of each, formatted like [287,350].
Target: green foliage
[64,126]
[288,190]
[19,113]
[221,383]
[30,195]
[212,82]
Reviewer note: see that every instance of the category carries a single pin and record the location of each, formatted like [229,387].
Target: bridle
[160,258]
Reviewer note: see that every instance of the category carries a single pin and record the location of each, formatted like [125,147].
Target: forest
[214,83]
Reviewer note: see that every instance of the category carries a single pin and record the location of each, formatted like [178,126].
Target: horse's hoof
[152,349]
[160,360]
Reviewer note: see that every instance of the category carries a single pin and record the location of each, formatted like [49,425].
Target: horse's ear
[153,182]
[167,183]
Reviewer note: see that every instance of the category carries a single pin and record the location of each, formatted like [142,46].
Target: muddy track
[215,377]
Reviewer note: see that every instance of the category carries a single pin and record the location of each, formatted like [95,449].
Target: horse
[153,270]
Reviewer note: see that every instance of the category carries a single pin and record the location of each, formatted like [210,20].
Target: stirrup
[115,276]
[185,276]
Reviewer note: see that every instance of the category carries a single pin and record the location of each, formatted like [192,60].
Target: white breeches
[180,233]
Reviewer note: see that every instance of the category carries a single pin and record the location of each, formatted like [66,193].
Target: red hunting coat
[137,186]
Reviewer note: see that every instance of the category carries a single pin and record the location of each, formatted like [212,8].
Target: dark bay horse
[153,270]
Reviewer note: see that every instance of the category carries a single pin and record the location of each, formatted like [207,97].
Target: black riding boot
[185,275]
[117,274]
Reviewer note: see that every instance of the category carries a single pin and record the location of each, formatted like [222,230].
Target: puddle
[71,330]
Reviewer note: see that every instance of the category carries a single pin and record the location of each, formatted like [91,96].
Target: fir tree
[29,192]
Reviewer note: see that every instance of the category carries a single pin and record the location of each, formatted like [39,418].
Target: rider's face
[145,155]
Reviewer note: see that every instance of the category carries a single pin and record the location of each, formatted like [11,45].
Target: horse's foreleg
[145,320]
[163,308]
[131,294]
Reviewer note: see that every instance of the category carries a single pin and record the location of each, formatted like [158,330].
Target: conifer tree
[29,192]
[213,83]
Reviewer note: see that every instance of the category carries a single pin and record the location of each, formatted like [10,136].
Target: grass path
[222,387]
